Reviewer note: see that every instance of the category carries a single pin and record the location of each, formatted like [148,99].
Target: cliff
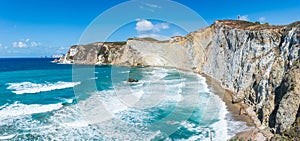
[259,63]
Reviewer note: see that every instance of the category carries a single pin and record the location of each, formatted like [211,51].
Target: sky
[35,28]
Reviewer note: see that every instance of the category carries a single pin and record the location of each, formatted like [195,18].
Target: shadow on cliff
[279,93]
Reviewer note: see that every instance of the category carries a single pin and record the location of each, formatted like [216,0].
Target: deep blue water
[41,100]
[19,64]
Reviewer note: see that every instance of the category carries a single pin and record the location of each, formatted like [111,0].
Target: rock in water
[132,80]
[55,61]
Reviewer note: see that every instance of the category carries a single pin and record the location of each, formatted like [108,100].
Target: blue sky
[34,28]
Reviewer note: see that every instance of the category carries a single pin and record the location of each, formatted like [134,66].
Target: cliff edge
[259,63]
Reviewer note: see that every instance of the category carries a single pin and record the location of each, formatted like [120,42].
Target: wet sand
[233,108]
[226,96]
[254,132]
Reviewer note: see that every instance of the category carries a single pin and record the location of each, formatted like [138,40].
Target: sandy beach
[254,132]
[226,96]
[234,109]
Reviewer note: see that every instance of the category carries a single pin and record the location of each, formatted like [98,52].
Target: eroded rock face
[256,62]
[289,104]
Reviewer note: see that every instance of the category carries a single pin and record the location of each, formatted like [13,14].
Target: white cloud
[155,36]
[25,43]
[2,46]
[20,44]
[262,19]
[160,26]
[62,50]
[177,34]
[149,7]
[243,18]
[146,28]
[144,25]
[152,5]
[34,44]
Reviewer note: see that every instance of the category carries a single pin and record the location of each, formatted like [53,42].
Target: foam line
[7,137]
[32,88]
[18,109]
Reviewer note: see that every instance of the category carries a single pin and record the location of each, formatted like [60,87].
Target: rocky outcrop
[258,63]
[289,105]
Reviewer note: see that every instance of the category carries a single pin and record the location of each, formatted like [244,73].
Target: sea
[41,100]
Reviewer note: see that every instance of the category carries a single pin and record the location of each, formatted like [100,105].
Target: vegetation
[293,134]
[149,39]
[119,43]
[145,39]
[245,25]
[267,24]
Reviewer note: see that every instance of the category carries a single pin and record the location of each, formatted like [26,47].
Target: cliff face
[259,63]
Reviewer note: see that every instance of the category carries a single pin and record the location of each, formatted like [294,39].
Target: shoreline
[256,131]
[226,96]
[252,132]
[234,109]
[215,87]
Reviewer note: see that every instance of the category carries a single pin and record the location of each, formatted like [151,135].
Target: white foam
[72,126]
[116,106]
[174,97]
[7,137]
[220,128]
[216,131]
[76,124]
[139,94]
[18,109]
[111,101]
[66,124]
[125,72]
[31,88]
[197,129]
[158,73]
[5,105]
[67,101]
[70,123]
[213,109]
[94,78]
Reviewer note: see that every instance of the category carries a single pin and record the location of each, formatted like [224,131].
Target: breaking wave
[19,109]
[31,88]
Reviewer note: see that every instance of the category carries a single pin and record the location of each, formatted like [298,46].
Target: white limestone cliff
[258,63]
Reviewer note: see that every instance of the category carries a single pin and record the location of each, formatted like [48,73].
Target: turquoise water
[40,100]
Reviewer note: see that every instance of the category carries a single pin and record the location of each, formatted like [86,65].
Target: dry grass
[245,25]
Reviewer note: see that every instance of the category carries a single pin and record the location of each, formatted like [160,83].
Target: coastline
[247,115]
[259,61]
[253,132]
[234,110]
[226,96]
[256,131]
